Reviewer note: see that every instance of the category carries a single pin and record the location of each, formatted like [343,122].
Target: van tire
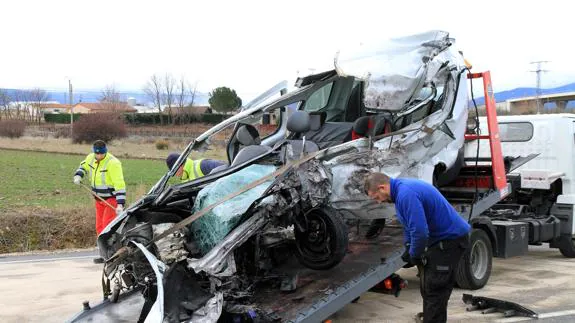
[324,226]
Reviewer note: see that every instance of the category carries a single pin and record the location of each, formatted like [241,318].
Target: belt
[451,243]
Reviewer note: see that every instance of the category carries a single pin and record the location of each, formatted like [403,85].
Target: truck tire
[322,243]
[567,247]
[474,268]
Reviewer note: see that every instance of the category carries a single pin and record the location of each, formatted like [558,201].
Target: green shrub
[147,118]
[155,118]
[162,144]
[12,128]
[60,117]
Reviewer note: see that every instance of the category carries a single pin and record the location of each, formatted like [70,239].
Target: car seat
[249,137]
[299,123]
[367,126]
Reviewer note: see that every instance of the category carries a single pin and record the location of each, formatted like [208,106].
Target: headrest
[299,122]
[248,135]
[362,125]
[380,123]
[317,119]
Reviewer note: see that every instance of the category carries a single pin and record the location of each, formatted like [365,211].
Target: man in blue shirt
[435,235]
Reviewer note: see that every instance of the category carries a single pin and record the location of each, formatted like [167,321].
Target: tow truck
[368,265]
[479,187]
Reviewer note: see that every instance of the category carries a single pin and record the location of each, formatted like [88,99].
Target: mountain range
[527,91]
[93,96]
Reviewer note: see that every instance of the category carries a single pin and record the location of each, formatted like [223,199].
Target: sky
[251,45]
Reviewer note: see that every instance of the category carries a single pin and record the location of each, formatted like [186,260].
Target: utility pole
[71,109]
[538,93]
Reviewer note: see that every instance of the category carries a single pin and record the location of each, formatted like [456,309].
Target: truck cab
[543,189]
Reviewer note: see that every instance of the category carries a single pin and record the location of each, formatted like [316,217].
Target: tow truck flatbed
[319,293]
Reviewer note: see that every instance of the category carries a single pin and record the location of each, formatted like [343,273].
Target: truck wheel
[474,268]
[567,247]
[321,240]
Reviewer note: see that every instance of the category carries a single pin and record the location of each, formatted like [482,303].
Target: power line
[538,76]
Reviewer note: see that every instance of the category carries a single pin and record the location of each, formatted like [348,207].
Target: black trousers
[437,277]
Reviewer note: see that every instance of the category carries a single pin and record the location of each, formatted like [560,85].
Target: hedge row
[60,117]
[147,118]
[155,118]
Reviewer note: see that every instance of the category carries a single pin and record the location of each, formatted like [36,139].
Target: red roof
[53,106]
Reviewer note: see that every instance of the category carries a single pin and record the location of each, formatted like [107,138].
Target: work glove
[406,257]
[77,179]
[418,261]
[119,209]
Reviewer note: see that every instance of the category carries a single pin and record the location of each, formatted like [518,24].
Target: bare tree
[153,90]
[192,92]
[20,104]
[168,94]
[182,99]
[111,99]
[37,98]
[5,101]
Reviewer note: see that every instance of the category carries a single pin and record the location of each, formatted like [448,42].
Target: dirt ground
[53,291]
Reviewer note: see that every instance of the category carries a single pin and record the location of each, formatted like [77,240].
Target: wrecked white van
[195,251]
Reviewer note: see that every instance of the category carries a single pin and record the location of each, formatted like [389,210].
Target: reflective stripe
[81,171]
[92,169]
[103,172]
[118,192]
[194,169]
[103,194]
[102,191]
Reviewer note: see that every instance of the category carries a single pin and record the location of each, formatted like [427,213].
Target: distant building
[55,108]
[145,108]
[85,107]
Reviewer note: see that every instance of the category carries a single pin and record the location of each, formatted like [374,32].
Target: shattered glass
[217,223]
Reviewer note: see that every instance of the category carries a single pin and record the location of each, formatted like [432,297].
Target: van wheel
[320,239]
[474,267]
[567,247]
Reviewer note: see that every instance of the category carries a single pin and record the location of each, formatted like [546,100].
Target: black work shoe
[375,228]
[98,260]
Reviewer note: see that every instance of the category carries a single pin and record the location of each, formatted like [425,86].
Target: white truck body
[552,136]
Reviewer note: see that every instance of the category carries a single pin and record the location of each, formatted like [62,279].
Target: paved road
[47,257]
[51,288]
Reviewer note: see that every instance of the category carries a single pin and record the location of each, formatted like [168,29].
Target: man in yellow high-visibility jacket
[107,181]
[192,169]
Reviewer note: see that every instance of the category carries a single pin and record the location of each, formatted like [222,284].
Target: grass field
[37,179]
[40,207]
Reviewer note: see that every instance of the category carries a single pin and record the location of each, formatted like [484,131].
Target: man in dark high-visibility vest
[192,169]
[107,181]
